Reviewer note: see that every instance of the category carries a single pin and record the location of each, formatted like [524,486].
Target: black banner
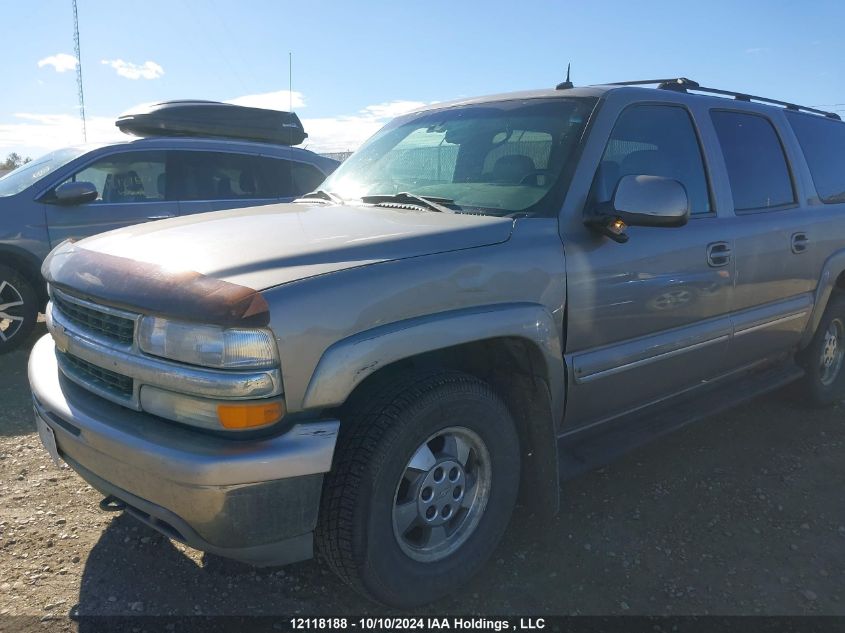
[427,623]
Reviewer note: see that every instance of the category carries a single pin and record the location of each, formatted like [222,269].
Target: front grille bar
[126,362]
[108,323]
[89,374]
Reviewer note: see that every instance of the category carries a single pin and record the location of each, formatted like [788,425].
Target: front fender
[348,362]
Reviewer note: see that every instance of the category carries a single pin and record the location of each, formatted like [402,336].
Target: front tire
[424,482]
[824,381]
[18,309]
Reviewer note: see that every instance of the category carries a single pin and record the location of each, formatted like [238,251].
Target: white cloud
[757,50]
[279,100]
[36,134]
[347,132]
[61,62]
[392,109]
[147,70]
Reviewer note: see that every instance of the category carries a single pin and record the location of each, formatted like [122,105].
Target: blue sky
[358,63]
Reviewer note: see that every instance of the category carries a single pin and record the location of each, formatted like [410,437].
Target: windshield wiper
[320,195]
[427,202]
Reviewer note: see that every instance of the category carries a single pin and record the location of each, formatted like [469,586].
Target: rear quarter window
[823,142]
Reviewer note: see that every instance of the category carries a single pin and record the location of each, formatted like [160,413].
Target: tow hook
[112,504]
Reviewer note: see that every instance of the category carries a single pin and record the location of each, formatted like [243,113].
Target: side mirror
[70,193]
[642,201]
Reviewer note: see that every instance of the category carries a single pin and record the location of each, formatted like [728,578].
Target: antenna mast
[79,71]
[290,81]
[567,84]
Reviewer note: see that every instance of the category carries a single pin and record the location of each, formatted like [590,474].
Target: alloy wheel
[442,494]
[11,311]
[832,353]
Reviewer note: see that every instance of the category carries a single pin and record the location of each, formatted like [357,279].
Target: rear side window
[755,161]
[654,140]
[204,175]
[823,142]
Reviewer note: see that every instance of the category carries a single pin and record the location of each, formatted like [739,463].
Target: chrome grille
[105,324]
[90,374]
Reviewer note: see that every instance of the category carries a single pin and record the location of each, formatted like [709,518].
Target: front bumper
[252,500]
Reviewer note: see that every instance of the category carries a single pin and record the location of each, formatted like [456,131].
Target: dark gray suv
[50,200]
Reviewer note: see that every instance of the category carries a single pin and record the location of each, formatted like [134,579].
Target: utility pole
[79,71]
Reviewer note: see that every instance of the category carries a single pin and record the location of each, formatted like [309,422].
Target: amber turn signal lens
[618,226]
[245,416]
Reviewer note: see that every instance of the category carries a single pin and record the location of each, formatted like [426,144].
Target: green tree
[14,160]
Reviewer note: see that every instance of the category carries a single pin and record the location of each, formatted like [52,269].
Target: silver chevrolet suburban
[489,295]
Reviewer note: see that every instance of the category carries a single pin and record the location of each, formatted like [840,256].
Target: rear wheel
[424,483]
[18,309]
[824,382]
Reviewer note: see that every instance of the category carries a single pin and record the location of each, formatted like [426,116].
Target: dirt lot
[740,514]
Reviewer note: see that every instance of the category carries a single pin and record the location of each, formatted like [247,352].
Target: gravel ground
[739,514]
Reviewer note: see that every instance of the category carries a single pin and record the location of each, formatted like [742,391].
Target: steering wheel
[508,132]
[533,174]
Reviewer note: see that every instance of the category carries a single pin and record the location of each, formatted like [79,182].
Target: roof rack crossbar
[683,84]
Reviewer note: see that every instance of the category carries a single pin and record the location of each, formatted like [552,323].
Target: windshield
[495,158]
[16,181]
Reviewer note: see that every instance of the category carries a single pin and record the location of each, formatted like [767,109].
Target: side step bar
[582,452]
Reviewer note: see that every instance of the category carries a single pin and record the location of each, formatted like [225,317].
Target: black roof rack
[682,84]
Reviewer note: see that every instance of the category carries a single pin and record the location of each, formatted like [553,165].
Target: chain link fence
[341,156]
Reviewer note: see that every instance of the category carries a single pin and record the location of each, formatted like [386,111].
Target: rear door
[773,238]
[131,190]
[650,318]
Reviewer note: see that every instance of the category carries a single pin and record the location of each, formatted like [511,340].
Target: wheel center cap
[441,492]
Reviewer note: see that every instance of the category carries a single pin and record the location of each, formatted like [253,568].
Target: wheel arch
[832,279]
[515,348]
[27,265]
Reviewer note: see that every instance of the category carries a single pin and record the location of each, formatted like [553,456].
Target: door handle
[718,254]
[799,242]
[161,217]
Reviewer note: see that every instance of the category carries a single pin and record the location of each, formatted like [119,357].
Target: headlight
[207,345]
